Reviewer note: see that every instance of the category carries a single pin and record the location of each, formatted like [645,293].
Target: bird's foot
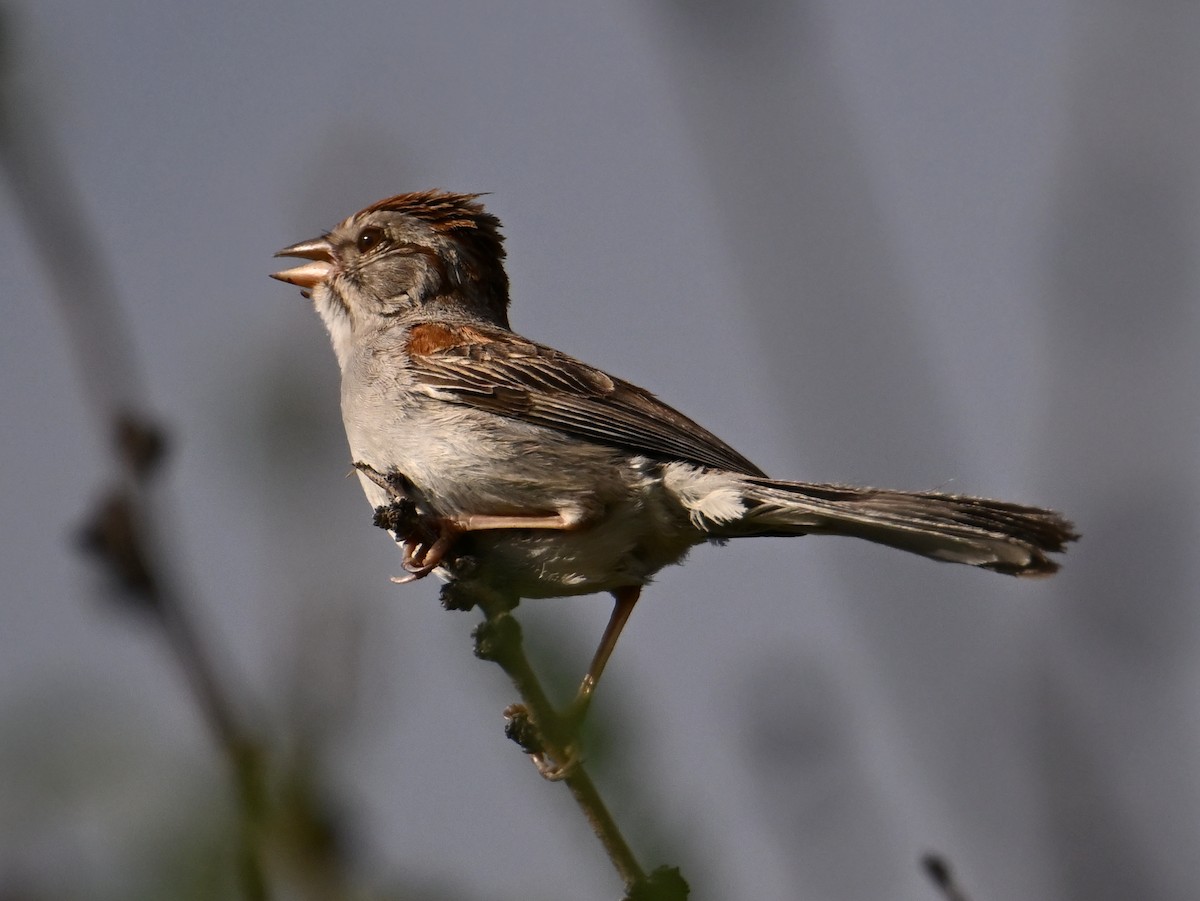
[551,766]
[427,551]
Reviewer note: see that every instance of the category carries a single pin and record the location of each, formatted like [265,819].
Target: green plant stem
[509,652]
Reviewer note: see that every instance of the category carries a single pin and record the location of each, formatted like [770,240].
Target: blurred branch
[124,532]
[53,215]
[118,532]
[937,868]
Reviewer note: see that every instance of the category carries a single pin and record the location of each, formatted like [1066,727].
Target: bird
[554,478]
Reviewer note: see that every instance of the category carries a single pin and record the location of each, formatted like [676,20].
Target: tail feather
[1004,537]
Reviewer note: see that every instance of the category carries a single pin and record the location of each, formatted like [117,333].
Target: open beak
[307,275]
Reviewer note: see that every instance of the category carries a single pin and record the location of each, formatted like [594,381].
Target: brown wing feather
[494,370]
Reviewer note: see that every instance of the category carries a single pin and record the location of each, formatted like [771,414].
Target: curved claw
[416,562]
[414,558]
[556,772]
[421,559]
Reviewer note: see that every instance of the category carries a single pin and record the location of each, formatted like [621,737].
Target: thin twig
[498,639]
[541,732]
[534,724]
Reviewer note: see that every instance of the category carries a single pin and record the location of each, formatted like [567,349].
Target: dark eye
[367,238]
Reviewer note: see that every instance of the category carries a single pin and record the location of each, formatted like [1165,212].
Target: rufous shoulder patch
[431,337]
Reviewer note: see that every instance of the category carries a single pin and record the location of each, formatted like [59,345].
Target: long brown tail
[1007,538]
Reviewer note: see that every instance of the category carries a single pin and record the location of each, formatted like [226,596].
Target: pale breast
[465,461]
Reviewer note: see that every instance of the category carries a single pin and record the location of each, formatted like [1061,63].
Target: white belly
[625,544]
[466,462]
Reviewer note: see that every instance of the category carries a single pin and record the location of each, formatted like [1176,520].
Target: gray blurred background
[919,245]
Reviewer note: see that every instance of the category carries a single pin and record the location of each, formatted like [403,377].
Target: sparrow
[556,478]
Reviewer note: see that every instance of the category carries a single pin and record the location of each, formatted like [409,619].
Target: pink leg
[625,600]
[420,559]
